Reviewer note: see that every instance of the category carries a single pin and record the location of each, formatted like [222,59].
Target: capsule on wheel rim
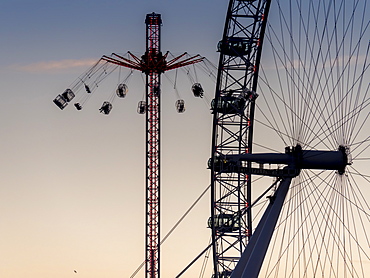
[234,46]
[224,223]
[228,105]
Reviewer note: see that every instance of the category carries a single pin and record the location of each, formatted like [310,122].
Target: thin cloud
[50,66]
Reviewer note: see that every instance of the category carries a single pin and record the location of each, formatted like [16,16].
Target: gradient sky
[72,182]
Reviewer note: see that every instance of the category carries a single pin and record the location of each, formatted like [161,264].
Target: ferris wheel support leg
[252,258]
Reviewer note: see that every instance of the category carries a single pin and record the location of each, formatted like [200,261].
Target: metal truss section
[152,63]
[233,109]
[151,56]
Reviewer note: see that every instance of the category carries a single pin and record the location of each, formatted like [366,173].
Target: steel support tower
[153,63]
[151,56]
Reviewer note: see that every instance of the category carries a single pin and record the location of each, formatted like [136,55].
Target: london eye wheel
[293,88]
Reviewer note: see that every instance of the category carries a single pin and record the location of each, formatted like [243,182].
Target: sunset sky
[72,193]
[72,182]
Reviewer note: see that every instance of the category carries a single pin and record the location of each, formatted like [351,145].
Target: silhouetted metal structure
[239,249]
[153,63]
[233,108]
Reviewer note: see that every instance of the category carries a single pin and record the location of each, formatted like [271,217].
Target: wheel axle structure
[296,159]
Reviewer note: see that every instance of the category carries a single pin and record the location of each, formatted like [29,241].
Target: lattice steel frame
[233,132]
[153,23]
[153,63]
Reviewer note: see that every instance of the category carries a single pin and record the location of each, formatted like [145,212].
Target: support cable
[174,227]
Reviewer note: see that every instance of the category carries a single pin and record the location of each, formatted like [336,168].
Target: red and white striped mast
[153,63]
[153,96]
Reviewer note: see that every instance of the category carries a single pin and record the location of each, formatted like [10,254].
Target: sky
[72,182]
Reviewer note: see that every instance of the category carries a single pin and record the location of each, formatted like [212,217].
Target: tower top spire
[153,19]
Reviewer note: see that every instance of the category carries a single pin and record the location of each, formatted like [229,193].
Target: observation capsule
[228,105]
[122,90]
[222,164]
[106,108]
[141,108]
[235,46]
[197,90]
[223,274]
[180,106]
[224,223]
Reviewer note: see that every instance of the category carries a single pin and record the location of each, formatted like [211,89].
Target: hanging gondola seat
[60,101]
[68,95]
[197,90]
[78,106]
[122,90]
[87,88]
[180,106]
[106,108]
[141,108]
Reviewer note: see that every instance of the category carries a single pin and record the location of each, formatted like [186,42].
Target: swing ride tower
[153,63]
[314,214]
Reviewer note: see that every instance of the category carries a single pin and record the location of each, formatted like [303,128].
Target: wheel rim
[240,52]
